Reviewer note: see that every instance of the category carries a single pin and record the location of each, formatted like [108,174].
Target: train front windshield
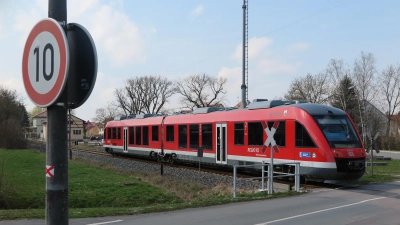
[339,131]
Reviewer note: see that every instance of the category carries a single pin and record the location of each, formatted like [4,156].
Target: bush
[12,135]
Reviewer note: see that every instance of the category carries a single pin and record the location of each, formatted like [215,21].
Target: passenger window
[131,135]
[303,139]
[182,129]
[154,133]
[256,134]
[206,132]
[170,133]
[239,134]
[145,135]
[118,133]
[138,135]
[194,136]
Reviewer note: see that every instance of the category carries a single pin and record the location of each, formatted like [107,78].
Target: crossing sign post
[371,148]
[45,62]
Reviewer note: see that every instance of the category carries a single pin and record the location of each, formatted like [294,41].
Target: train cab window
[114,133]
[138,135]
[118,133]
[131,135]
[239,134]
[170,133]
[256,134]
[182,139]
[194,136]
[154,133]
[280,133]
[145,135]
[303,139]
[206,133]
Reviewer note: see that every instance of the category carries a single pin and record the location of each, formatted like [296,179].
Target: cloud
[84,7]
[269,70]
[256,46]
[197,11]
[25,21]
[118,35]
[114,33]
[103,92]
[234,76]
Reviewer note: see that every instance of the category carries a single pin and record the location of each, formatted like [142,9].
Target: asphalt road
[393,154]
[371,204]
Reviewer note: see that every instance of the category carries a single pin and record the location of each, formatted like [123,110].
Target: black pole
[69,134]
[57,149]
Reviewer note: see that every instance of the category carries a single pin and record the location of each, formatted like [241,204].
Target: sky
[175,39]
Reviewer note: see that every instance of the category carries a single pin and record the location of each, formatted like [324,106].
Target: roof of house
[44,115]
[89,125]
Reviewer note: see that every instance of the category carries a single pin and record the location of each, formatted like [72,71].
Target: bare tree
[201,90]
[103,115]
[389,87]
[314,89]
[147,94]
[337,72]
[364,77]
[36,110]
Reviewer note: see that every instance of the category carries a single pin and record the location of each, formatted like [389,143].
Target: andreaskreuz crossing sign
[45,62]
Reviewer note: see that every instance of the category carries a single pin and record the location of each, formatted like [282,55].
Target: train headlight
[314,155]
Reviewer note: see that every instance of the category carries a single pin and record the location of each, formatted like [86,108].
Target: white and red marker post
[45,64]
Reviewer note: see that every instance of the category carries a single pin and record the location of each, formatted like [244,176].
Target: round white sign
[45,62]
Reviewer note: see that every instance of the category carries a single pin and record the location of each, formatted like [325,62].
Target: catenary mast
[245,75]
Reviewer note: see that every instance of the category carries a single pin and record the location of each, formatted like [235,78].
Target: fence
[270,176]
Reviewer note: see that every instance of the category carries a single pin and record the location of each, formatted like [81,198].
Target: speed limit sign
[45,62]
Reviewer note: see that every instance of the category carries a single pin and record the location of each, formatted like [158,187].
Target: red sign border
[51,26]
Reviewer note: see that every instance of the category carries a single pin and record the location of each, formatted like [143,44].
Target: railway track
[213,170]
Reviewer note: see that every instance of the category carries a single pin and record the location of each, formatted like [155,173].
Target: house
[75,125]
[239,104]
[94,129]
[36,130]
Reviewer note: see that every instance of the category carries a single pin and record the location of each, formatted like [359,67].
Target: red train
[322,138]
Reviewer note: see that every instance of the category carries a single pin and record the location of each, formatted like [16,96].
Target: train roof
[310,108]
[318,109]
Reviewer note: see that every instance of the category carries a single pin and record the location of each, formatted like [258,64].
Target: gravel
[204,178]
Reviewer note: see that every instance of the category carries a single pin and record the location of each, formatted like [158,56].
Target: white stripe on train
[326,165]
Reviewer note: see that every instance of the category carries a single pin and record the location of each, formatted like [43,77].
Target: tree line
[357,89]
[360,90]
[150,94]
[13,119]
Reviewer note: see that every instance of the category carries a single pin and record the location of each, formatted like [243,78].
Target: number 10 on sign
[45,62]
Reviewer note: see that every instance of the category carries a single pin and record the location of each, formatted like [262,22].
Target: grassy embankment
[97,189]
[387,173]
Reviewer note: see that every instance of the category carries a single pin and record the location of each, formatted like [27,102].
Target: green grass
[97,189]
[388,173]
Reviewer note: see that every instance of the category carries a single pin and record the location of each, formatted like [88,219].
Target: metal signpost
[59,76]
[371,148]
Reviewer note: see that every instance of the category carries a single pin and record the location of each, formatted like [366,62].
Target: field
[100,190]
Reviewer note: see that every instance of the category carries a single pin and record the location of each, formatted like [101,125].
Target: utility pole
[57,149]
[244,86]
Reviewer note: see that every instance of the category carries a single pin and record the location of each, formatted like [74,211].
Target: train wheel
[170,160]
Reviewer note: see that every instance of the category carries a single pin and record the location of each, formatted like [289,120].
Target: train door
[221,146]
[125,138]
